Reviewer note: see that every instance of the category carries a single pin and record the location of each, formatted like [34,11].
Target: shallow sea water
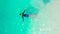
[43,23]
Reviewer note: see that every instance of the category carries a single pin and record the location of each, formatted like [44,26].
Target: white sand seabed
[48,19]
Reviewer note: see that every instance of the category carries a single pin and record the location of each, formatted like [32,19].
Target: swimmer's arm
[24,12]
[23,18]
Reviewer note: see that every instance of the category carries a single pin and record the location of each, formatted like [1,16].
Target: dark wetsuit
[26,15]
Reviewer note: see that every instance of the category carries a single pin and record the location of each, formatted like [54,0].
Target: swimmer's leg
[32,15]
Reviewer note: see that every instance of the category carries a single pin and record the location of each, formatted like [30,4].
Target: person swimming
[26,15]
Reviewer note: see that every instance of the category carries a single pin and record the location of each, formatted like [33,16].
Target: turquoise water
[10,20]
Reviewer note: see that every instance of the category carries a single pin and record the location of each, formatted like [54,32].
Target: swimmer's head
[20,14]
